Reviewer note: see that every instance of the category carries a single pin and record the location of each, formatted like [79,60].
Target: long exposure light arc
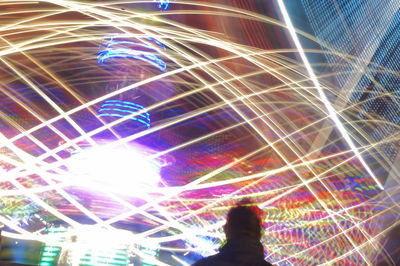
[117,108]
[332,112]
[173,210]
[119,49]
[294,170]
[328,105]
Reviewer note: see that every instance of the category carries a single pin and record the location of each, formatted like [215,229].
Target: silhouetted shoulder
[217,260]
[204,261]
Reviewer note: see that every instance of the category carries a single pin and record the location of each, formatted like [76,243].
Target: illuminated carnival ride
[126,136]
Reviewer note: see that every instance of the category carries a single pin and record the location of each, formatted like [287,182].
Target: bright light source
[84,248]
[124,170]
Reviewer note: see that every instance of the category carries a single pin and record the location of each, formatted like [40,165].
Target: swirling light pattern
[238,122]
[130,49]
[117,108]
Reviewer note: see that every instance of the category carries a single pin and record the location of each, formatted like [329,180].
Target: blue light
[156,42]
[135,50]
[162,4]
[117,108]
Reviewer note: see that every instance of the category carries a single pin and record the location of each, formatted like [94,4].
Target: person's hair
[244,220]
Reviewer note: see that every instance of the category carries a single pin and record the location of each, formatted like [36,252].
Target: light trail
[252,105]
[328,105]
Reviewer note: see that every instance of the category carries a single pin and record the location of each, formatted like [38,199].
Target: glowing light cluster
[77,247]
[51,253]
[162,4]
[125,170]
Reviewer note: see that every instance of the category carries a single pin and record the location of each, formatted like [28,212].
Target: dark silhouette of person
[243,233]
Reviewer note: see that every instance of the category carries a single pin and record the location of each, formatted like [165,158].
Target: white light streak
[332,112]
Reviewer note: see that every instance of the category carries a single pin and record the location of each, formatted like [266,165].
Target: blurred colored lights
[117,108]
[162,4]
[133,50]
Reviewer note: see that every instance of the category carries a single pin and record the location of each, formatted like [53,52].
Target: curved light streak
[298,192]
[324,99]
[121,49]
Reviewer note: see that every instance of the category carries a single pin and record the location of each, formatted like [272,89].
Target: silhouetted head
[243,221]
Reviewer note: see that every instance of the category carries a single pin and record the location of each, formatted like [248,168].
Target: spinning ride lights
[117,108]
[141,51]
[84,172]
[51,252]
[78,247]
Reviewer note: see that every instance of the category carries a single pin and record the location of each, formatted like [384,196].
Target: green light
[50,253]
[47,259]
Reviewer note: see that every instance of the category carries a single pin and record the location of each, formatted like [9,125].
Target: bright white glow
[204,245]
[324,99]
[85,240]
[125,170]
